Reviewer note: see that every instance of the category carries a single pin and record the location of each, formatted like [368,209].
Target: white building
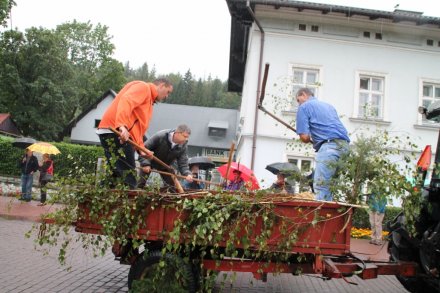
[374,67]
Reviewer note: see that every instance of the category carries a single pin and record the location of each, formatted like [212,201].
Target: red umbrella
[246,174]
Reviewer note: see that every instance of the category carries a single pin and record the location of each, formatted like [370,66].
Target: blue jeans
[26,186]
[325,167]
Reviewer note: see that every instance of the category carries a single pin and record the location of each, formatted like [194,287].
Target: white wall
[339,58]
[84,130]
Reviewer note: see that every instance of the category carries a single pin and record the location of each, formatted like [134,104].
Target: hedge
[80,156]
[360,217]
[72,156]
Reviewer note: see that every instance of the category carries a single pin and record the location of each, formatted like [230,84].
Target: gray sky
[172,35]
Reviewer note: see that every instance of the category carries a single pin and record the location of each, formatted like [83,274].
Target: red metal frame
[328,241]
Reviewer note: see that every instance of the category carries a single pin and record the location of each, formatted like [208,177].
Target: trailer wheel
[178,274]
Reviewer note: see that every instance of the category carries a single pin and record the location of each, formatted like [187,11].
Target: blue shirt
[321,121]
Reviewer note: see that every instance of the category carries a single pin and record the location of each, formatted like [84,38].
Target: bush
[72,156]
[360,216]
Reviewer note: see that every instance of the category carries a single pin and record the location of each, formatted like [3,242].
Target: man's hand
[146,169]
[124,135]
[189,178]
[147,155]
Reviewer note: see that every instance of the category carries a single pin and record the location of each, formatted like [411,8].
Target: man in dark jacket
[169,146]
[28,165]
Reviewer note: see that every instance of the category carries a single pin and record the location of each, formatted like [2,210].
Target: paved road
[25,269]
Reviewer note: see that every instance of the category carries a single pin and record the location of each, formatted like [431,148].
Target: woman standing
[46,175]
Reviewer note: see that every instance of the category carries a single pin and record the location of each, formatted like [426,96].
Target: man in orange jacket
[130,113]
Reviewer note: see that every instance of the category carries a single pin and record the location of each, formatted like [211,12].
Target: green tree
[32,81]
[89,50]
[374,164]
[5,9]
[48,77]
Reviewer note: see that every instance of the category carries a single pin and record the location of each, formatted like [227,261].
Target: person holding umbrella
[281,185]
[283,170]
[241,177]
[194,184]
[46,174]
[237,183]
[28,165]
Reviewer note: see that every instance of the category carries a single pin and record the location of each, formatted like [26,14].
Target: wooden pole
[145,150]
[231,152]
[260,103]
[184,177]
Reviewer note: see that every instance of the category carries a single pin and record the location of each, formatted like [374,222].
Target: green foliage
[379,164]
[5,9]
[217,225]
[10,158]
[374,164]
[48,77]
[188,91]
[72,157]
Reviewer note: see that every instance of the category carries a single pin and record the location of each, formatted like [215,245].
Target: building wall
[84,130]
[339,51]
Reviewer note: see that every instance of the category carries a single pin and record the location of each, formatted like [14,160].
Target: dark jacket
[161,146]
[28,166]
[287,187]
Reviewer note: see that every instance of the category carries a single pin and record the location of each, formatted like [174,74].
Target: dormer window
[217,128]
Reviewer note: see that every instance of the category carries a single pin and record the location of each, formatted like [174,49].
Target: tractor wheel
[156,272]
[403,252]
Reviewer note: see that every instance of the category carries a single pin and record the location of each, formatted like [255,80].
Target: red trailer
[322,242]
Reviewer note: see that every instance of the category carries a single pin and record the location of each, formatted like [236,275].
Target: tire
[402,252]
[145,268]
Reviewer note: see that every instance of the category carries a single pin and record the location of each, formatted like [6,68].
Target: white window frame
[293,105]
[299,163]
[436,84]
[358,91]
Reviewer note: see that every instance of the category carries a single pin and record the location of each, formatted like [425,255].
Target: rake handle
[156,159]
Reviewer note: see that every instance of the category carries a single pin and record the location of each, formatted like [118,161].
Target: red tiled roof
[4,116]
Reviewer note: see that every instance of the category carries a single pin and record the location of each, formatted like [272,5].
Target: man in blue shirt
[318,122]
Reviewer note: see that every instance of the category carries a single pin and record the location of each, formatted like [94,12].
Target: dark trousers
[43,190]
[120,158]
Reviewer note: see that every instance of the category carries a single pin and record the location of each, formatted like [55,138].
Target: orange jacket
[132,108]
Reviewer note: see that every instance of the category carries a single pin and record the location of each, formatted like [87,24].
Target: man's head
[29,152]
[303,95]
[182,133]
[281,176]
[164,88]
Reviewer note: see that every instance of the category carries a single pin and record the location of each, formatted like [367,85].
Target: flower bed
[364,233]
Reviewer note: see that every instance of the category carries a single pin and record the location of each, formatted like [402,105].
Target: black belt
[318,146]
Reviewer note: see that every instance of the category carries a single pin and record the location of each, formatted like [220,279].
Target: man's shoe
[41,204]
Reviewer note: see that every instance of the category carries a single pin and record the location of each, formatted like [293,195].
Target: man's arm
[182,164]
